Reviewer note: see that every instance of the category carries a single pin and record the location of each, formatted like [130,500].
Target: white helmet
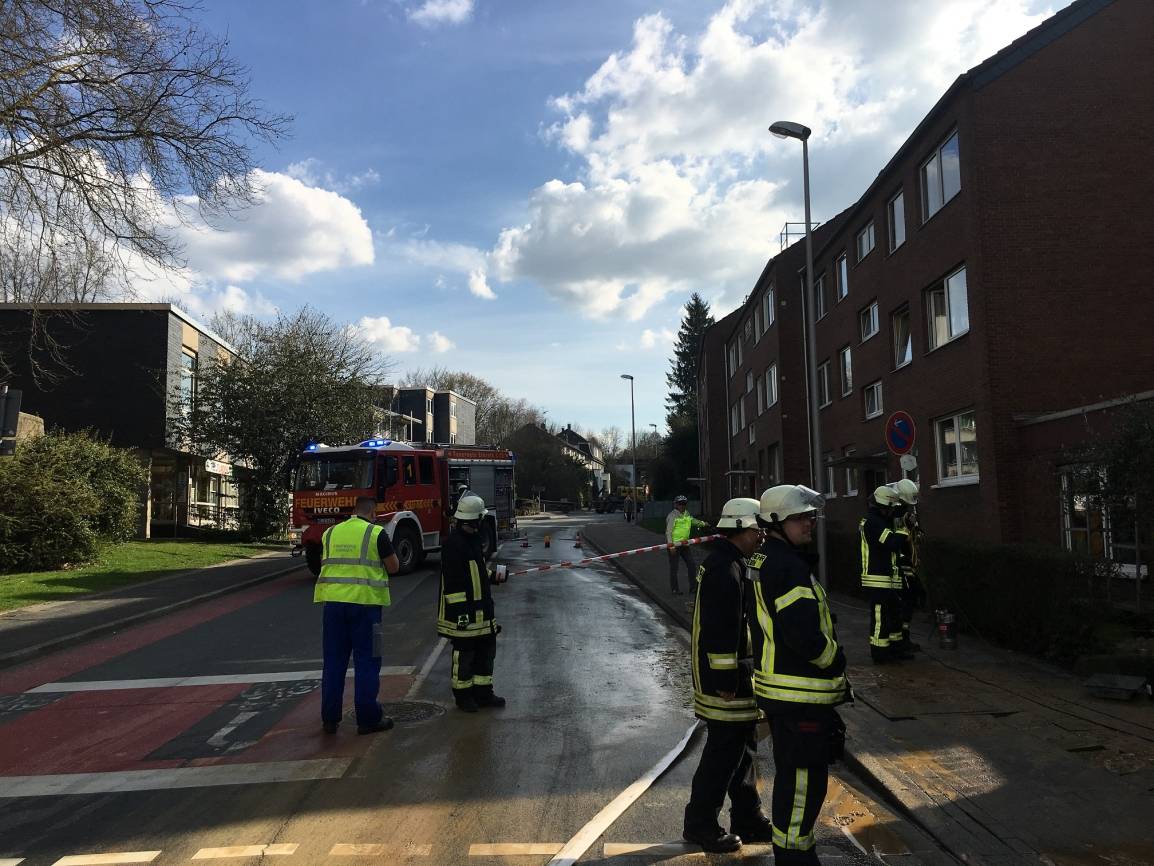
[470,508]
[789,500]
[886,496]
[907,490]
[739,514]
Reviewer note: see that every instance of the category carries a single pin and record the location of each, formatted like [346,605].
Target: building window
[819,297]
[748,381]
[868,321]
[740,357]
[851,473]
[865,241]
[823,398]
[771,385]
[760,396]
[896,217]
[768,307]
[903,339]
[845,363]
[732,359]
[752,433]
[830,480]
[773,464]
[734,429]
[841,276]
[941,177]
[957,439]
[872,479]
[758,323]
[741,413]
[748,328]
[947,307]
[873,399]
[188,370]
[1093,528]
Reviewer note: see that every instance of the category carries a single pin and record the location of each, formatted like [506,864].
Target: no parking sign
[900,432]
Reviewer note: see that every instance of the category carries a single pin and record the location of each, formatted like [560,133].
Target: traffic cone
[578,543]
[548,538]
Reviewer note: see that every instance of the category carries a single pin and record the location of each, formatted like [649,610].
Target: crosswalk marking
[246,851]
[216,680]
[372,850]
[514,849]
[99,859]
[11,861]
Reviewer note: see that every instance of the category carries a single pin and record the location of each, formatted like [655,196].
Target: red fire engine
[416,487]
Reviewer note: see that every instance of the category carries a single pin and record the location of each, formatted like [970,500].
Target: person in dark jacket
[800,669]
[465,614]
[883,551]
[723,690]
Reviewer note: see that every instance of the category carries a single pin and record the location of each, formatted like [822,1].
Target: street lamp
[788,129]
[633,434]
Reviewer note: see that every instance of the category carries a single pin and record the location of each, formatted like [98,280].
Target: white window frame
[760,396]
[741,411]
[733,417]
[732,359]
[825,399]
[768,304]
[818,299]
[868,235]
[841,277]
[752,433]
[771,386]
[748,381]
[851,475]
[902,311]
[845,369]
[830,477]
[749,327]
[940,181]
[740,355]
[880,401]
[959,479]
[872,310]
[892,223]
[945,289]
[1106,519]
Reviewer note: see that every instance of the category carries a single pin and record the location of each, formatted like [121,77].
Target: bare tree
[611,439]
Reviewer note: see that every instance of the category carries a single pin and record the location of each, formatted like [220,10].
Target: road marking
[179,777]
[515,849]
[96,859]
[12,861]
[673,849]
[368,850]
[221,680]
[425,668]
[601,822]
[246,851]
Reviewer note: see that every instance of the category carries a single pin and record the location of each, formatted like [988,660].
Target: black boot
[714,840]
[465,700]
[752,828]
[483,697]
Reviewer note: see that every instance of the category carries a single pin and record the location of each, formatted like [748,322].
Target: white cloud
[663,338]
[313,172]
[434,12]
[387,336]
[438,342]
[435,254]
[479,284]
[680,185]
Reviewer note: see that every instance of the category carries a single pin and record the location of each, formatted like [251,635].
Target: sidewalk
[1002,758]
[30,631]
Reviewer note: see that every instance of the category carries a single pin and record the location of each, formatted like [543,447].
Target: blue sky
[530,189]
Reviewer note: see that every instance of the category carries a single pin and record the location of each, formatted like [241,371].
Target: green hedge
[62,497]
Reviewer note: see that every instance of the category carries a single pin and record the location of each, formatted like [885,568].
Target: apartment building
[993,281]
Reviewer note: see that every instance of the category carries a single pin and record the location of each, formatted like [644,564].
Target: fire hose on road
[592,559]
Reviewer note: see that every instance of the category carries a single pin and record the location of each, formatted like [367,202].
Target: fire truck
[416,487]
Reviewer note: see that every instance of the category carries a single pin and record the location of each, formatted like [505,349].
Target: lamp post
[633,434]
[788,129]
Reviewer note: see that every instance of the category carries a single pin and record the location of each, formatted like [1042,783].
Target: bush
[62,496]
[1039,600]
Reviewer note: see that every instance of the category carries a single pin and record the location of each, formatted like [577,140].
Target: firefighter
[912,594]
[799,676]
[679,525]
[465,614]
[881,550]
[723,689]
[353,585]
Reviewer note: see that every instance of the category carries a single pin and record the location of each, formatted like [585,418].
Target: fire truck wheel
[313,558]
[407,544]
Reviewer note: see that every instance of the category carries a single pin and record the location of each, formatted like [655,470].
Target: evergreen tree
[681,405]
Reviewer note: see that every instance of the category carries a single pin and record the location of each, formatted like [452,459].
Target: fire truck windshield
[335,472]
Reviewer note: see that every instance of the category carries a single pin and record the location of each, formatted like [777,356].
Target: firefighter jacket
[351,567]
[798,660]
[466,607]
[881,548]
[722,645]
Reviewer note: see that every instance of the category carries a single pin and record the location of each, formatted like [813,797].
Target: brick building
[994,281]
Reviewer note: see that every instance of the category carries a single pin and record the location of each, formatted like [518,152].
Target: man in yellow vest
[679,526]
[800,673]
[356,558]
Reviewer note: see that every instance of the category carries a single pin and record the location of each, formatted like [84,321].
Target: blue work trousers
[349,628]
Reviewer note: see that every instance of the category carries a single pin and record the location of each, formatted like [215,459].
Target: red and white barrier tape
[581,562]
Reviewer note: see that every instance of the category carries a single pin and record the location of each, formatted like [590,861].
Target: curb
[18,656]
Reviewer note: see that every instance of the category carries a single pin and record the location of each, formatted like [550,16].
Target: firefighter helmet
[907,490]
[470,508]
[886,496]
[739,514]
[789,500]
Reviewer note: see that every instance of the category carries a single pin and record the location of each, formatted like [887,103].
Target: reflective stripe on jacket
[795,644]
[351,567]
[880,548]
[466,604]
[722,647]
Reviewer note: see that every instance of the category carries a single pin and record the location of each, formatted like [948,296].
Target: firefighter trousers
[728,765]
[885,621]
[802,752]
[473,659]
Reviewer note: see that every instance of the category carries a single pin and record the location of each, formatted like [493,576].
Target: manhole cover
[411,712]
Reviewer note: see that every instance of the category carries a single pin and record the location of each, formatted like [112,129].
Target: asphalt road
[198,736]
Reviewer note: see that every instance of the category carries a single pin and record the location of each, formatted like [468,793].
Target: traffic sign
[900,432]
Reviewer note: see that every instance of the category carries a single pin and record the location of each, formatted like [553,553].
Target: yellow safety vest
[683,526]
[351,570]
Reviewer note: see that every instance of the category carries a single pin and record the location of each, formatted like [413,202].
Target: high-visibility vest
[683,527]
[351,569]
